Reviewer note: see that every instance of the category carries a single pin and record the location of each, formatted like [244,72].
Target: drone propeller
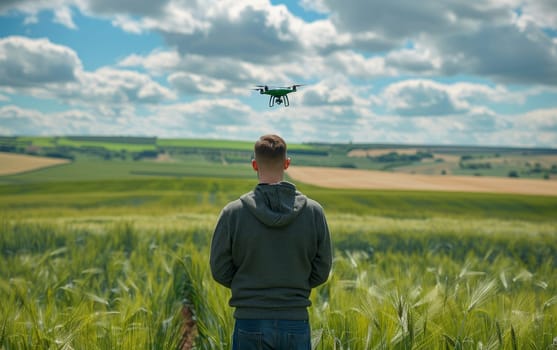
[261,88]
[292,87]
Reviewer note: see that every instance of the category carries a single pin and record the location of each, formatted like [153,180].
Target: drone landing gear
[279,100]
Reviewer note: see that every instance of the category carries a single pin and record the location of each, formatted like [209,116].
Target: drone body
[277,95]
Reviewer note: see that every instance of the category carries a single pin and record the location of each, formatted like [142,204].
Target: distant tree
[144,154]
[513,173]
[396,157]
[348,166]
[55,153]
[475,166]
[7,148]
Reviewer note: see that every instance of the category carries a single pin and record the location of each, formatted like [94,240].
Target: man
[271,247]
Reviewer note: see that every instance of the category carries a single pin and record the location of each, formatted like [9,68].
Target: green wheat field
[123,264]
[111,264]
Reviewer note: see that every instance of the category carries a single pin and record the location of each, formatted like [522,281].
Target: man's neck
[270,178]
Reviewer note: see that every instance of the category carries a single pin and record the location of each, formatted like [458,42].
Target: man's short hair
[270,150]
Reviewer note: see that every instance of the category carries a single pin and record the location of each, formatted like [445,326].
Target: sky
[451,72]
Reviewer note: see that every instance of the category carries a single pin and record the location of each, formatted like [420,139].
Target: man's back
[277,242]
[271,247]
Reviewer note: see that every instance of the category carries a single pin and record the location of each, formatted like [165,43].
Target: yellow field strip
[11,163]
[368,179]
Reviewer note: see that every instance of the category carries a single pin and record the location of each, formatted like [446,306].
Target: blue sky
[456,72]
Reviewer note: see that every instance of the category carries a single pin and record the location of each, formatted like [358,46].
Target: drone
[278,95]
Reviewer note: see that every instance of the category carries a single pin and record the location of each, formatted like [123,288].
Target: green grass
[423,204]
[109,264]
[208,144]
[155,192]
[132,144]
[220,144]
[120,281]
[91,169]
[216,152]
[68,289]
[38,141]
[111,146]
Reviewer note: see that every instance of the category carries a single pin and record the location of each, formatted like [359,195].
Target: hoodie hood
[275,205]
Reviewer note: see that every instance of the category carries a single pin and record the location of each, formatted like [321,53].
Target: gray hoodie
[271,247]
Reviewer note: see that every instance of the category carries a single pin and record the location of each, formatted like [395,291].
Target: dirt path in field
[189,329]
[11,163]
[367,179]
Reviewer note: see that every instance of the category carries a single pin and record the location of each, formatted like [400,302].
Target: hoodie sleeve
[222,266]
[323,260]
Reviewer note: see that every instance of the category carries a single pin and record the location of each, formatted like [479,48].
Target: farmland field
[411,159]
[110,264]
[19,163]
[220,144]
[109,252]
[368,179]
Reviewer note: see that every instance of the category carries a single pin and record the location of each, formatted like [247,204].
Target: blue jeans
[271,334]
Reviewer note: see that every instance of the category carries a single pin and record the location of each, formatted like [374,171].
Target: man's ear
[286,163]
[254,165]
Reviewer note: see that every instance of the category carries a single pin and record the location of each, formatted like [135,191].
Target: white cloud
[403,19]
[229,118]
[22,121]
[357,65]
[216,50]
[113,86]
[45,70]
[504,53]
[28,62]
[211,75]
[539,120]
[158,62]
[537,128]
[203,118]
[450,38]
[335,90]
[61,9]
[420,97]
[417,60]
[314,5]
[321,96]
[322,36]
[451,130]
[477,38]
[196,84]
[542,13]
[254,35]
[175,18]
[134,7]
[63,15]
